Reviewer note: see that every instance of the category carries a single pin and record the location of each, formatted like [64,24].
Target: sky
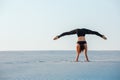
[32,24]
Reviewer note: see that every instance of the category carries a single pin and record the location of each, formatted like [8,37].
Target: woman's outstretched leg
[85,52]
[78,52]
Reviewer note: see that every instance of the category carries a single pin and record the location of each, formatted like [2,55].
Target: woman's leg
[85,52]
[78,52]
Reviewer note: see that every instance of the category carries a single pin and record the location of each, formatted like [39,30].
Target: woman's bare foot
[55,38]
[104,37]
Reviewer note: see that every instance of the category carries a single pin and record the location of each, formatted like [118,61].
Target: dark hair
[82,47]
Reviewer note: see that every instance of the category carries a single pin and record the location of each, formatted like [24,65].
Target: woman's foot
[55,38]
[104,37]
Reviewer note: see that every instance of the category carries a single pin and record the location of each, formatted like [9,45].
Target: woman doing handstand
[81,43]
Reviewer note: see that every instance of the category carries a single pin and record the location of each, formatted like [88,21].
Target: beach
[59,65]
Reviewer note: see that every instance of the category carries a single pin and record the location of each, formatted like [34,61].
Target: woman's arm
[66,33]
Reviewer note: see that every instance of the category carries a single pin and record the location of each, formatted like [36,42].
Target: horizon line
[56,50]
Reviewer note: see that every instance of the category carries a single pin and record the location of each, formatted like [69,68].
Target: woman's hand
[55,38]
[104,37]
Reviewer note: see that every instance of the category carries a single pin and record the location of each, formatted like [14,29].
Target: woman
[81,43]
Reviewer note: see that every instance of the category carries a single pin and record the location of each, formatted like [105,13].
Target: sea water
[59,65]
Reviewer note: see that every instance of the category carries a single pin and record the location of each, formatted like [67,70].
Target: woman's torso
[81,38]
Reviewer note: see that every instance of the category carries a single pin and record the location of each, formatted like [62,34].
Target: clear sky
[32,24]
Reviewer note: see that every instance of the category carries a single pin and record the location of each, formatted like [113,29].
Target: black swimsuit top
[80,32]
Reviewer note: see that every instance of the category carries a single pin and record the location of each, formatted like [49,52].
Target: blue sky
[31,24]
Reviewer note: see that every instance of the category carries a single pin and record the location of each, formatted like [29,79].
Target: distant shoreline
[51,50]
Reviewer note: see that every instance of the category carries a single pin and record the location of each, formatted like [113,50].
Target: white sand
[14,68]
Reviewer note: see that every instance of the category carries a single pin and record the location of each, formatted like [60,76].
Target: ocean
[59,65]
